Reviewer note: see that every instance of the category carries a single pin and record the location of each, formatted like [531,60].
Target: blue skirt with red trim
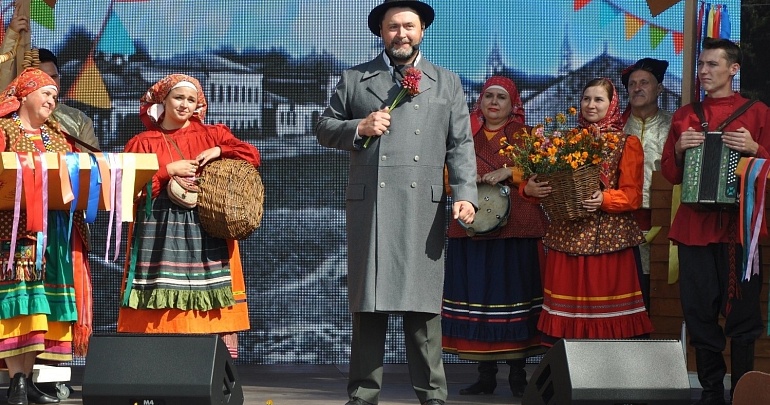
[492,298]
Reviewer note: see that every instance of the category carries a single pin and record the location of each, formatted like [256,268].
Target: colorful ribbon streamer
[751,216]
[94,191]
[16,213]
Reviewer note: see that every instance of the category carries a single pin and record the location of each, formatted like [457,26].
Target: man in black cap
[644,83]
[395,203]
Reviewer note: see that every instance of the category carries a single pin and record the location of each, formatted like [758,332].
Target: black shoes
[487,381]
[17,392]
[358,401]
[517,379]
[482,386]
[711,400]
[35,396]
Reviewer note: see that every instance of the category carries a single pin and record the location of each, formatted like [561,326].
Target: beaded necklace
[43,132]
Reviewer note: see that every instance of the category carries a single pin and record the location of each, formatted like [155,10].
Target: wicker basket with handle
[569,189]
[231,198]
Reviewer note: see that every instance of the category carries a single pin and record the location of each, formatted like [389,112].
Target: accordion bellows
[231,199]
[709,178]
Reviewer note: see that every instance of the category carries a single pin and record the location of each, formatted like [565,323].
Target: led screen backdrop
[268,67]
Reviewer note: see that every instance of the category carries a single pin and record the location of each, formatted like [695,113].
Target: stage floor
[325,385]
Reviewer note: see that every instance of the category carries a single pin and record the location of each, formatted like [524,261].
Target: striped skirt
[185,281]
[592,297]
[492,299]
[37,316]
[177,264]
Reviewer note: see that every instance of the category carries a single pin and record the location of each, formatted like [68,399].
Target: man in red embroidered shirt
[708,240]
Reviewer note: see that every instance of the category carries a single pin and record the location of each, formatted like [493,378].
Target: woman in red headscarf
[592,290]
[492,292]
[178,278]
[38,295]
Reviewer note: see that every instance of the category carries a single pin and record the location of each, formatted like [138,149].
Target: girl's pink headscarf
[151,104]
[28,81]
[613,120]
[517,109]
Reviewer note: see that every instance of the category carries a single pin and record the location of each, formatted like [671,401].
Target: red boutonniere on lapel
[410,85]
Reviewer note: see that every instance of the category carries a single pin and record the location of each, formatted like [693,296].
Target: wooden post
[25,38]
[690,45]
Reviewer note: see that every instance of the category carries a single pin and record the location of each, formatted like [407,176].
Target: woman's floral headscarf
[151,104]
[613,120]
[517,109]
[30,80]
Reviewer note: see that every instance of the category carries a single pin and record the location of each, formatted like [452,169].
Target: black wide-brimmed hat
[425,12]
[655,66]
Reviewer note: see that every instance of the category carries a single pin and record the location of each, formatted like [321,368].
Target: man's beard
[403,55]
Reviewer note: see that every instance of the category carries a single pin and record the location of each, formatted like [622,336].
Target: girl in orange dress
[178,278]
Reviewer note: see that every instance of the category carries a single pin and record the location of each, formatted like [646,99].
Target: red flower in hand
[410,85]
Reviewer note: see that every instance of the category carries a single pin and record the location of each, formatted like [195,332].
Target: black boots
[17,392]
[487,381]
[32,393]
[35,396]
[517,379]
[741,361]
[711,373]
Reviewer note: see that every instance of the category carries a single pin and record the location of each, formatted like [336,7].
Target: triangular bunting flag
[678,42]
[659,6]
[656,36]
[51,3]
[89,87]
[580,4]
[115,38]
[41,13]
[633,25]
[607,14]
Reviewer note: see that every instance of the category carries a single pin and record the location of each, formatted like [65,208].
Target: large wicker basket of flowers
[568,159]
[570,188]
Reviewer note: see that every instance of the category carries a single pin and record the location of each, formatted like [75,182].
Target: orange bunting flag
[89,88]
[633,25]
[678,42]
[579,4]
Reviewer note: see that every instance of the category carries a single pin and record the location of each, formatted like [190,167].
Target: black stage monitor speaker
[610,372]
[142,369]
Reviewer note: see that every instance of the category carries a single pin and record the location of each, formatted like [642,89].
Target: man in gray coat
[395,198]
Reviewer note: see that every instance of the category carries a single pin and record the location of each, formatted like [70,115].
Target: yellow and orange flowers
[548,148]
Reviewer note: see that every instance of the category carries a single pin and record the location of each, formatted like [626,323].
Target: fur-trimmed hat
[425,12]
